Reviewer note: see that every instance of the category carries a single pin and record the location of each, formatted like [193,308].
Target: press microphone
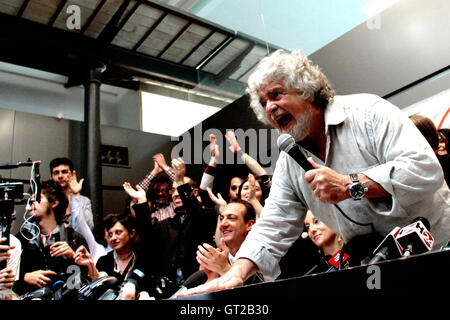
[415,238]
[333,262]
[197,278]
[389,248]
[287,144]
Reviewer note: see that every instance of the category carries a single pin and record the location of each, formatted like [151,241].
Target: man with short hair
[79,211]
[236,221]
[62,171]
[48,245]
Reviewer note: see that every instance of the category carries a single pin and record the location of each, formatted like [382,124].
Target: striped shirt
[167,211]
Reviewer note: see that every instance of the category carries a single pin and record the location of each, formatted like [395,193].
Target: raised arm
[159,165]
[251,163]
[209,174]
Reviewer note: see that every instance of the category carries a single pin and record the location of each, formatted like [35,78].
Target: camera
[11,190]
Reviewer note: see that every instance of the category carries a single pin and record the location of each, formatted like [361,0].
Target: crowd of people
[366,156]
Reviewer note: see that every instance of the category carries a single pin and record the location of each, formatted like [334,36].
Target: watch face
[357,191]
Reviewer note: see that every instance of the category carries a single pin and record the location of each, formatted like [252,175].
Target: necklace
[117,259]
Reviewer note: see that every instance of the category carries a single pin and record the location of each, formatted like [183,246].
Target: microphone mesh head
[284,141]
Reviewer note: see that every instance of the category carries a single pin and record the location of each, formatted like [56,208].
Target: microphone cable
[356,222]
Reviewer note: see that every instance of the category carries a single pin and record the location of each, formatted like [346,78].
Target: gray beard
[301,128]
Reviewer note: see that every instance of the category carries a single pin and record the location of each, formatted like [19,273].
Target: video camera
[10,192]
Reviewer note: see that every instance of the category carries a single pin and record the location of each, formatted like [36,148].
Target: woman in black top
[122,236]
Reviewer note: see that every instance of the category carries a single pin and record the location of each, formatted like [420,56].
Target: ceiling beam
[57,12]
[92,16]
[22,8]
[42,47]
[113,26]
[235,63]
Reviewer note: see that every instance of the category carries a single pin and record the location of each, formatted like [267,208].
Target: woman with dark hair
[122,236]
[255,190]
[428,130]
[437,141]
[444,135]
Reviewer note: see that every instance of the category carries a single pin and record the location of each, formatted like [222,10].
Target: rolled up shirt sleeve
[408,170]
[279,225]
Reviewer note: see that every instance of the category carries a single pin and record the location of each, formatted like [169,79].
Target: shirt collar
[231,258]
[334,113]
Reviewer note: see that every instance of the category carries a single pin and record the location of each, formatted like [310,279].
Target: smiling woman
[322,236]
[121,234]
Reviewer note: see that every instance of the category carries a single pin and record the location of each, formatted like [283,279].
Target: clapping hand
[214,259]
[75,185]
[219,201]
[252,187]
[231,138]
[214,148]
[160,164]
[137,194]
[179,168]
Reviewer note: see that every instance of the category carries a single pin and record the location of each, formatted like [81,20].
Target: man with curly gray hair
[365,153]
[296,71]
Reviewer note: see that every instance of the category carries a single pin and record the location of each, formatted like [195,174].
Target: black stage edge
[420,277]
[411,287]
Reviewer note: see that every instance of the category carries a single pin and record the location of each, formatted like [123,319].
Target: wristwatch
[357,188]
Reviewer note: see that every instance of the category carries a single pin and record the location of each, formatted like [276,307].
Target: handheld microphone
[415,238]
[197,278]
[287,144]
[389,248]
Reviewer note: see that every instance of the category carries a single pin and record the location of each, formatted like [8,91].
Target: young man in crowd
[48,244]
[79,210]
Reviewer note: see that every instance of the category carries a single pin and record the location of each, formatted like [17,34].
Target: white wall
[412,42]
[43,93]
[25,135]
